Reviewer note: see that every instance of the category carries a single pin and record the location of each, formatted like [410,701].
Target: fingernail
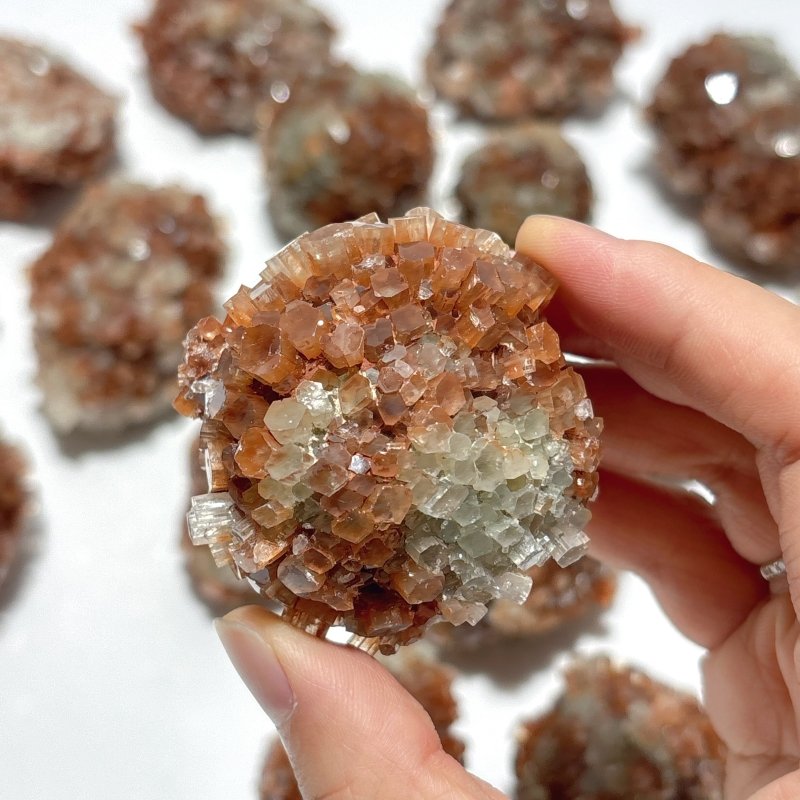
[258,667]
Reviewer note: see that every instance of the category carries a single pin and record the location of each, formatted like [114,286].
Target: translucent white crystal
[210,514]
[514,587]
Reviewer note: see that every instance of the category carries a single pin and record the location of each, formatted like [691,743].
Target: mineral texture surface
[391,432]
[129,271]
[212,62]
[617,733]
[703,106]
[512,59]
[56,126]
[343,146]
[559,595]
[428,681]
[13,502]
[728,132]
[219,588]
[753,211]
[521,171]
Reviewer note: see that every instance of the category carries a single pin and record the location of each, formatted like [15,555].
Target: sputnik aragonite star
[391,433]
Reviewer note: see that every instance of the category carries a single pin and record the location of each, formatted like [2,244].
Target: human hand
[704,384]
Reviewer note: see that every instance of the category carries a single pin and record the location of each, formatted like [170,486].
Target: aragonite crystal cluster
[131,268]
[429,683]
[13,503]
[728,133]
[213,62]
[391,433]
[56,126]
[616,734]
[512,59]
[343,145]
[559,595]
[519,171]
[219,587]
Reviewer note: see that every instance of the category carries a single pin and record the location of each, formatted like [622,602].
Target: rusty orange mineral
[391,433]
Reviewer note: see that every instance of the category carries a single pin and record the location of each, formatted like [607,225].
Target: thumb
[348,726]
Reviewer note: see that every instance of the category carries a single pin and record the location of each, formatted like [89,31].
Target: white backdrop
[112,684]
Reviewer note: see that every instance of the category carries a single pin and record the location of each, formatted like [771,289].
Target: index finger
[684,330]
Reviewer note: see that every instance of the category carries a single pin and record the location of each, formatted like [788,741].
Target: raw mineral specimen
[213,61]
[617,733]
[220,589]
[753,212]
[510,59]
[428,681]
[703,106]
[342,146]
[56,126]
[13,502]
[391,431]
[728,131]
[521,171]
[559,595]
[129,271]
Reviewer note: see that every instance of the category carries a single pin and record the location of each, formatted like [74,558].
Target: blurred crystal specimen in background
[727,120]
[212,62]
[519,171]
[559,596]
[344,145]
[428,682]
[13,503]
[130,269]
[391,433]
[616,734]
[515,59]
[56,126]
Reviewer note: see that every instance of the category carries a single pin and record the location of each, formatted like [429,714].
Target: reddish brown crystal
[521,171]
[513,59]
[219,588]
[753,210]
[434,448]
[428,681]
[728,127]
[703,104]
[13,503]
[616,734]
[343,146]
[56,126]
[129,270]
[213,62]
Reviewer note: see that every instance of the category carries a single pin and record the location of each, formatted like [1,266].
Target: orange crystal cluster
[390,430]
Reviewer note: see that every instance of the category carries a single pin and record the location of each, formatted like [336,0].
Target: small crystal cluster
[617,734]
[212,62]
[342,146]
[428,682]
[130,270]
[221,589]
[559,596]
[56,126]
[520,171]
[728,132]
[13,502]
[390,430]
[510,59]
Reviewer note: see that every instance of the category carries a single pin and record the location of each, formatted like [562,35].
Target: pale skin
[705,384]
